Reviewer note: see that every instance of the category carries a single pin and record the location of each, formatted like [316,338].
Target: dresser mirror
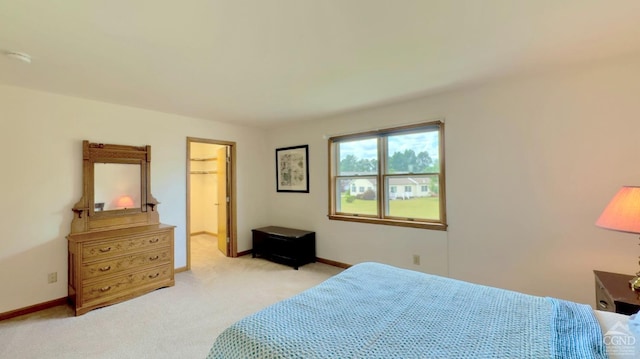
[116,188]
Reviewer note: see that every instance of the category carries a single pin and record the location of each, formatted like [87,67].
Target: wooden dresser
[118,249]
[108,267]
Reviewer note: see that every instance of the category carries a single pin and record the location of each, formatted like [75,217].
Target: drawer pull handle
[151,276]
[155,240]
[602,304]
[104,269]
[154,258]
[104,289]
[105,249]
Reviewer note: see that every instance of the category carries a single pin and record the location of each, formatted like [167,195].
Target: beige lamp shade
[125,202]
[623,212]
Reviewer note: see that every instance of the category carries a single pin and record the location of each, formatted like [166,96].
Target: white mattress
[621,343]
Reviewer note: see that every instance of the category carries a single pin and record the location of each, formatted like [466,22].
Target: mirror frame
[86,218]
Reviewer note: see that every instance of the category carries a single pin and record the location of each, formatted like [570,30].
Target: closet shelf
[203,172]
[204,159]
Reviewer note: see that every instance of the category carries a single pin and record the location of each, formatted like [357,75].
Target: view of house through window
[391,176]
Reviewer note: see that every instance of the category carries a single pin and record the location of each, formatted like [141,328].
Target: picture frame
[292,169]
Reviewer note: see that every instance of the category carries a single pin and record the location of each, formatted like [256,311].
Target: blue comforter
[373,310]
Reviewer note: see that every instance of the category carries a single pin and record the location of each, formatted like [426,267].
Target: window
[402,170]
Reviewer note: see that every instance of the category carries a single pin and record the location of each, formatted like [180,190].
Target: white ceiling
[261,62]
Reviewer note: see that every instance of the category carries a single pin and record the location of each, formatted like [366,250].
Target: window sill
[390,222]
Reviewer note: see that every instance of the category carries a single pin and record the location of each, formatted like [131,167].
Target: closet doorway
[211,197]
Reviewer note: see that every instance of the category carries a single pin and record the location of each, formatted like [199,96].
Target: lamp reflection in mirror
[623,214]
[125,202]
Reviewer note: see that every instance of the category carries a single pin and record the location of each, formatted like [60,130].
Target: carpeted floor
[176,322]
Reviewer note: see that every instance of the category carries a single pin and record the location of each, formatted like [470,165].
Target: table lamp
[623,214]
[125,202]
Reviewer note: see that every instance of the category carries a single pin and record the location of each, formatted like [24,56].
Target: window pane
[405,161]
[414,197]
[413,153]
[358,157]
[357,195]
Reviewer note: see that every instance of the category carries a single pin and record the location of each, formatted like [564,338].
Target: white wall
[41,137]
[531,162]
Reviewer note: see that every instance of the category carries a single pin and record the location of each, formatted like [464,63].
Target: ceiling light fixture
[20,56]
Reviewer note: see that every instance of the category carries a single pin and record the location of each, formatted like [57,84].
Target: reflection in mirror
[116,186]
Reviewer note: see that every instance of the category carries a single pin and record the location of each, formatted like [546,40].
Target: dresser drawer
[120,285]
[111,266]
[120,264]
[106,249]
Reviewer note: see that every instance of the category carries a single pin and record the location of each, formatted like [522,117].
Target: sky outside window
[368,149]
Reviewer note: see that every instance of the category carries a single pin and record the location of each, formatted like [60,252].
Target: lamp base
[635,283]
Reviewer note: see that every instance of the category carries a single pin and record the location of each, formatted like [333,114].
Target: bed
[372,310]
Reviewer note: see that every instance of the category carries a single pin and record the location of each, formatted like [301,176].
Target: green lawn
[423,208]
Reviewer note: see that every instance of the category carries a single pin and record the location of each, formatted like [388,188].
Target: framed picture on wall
[292,169]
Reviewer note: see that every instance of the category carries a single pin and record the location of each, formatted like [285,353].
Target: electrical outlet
[53,277]
[416,259]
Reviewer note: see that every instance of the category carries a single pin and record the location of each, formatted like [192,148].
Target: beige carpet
[176,322]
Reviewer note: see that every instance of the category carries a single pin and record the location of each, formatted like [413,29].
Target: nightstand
[613,293]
